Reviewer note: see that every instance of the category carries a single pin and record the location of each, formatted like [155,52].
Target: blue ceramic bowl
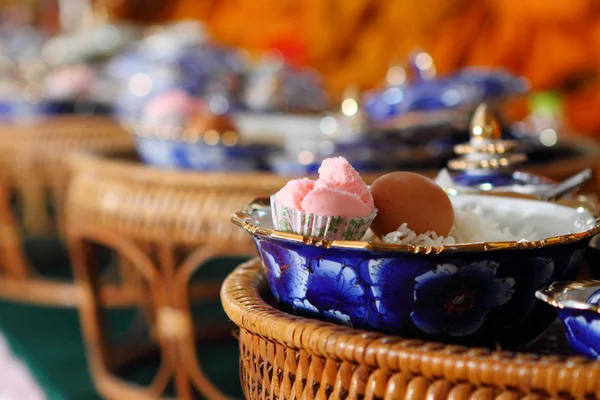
[20,111]
[423,96]
[500,179]
[494,83]
[578,306]
[464,89]
[476,294]
[168,148]
[280,87]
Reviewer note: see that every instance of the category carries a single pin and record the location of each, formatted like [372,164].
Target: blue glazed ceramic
[463,89]
[578,306]
[275,86]
[199,65]
[22,111]
[167,148]
[19,111]
[76,107]
[203,70]
[493,83]
[501,179]
[426,96]
[476,294]
[365,155]
[199,156]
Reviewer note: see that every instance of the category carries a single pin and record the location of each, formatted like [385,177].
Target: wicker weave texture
[34,176]
[33,161]
[151,204]
[288,357]
[40,150]
[164,225]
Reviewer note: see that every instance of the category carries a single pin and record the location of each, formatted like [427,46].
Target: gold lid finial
[423,65]
[486,150]
[351,119]
[351,102]
[484,125]
[396,74]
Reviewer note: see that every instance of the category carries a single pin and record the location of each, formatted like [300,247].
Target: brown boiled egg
[209,121]
[215,129]
[406,197]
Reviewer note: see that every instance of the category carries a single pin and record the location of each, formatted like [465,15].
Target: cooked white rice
[470,226]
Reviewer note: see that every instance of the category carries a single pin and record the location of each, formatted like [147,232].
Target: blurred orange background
[556,44]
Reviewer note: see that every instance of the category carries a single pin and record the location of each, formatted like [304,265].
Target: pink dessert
[339,192]
[294,191]
[172,107]
[337,206]
[70,81]
[341,174]
[335,203]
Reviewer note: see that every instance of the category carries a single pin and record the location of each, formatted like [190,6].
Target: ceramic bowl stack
[60,75]
[418,93]
[416,122]
[261,98]
[213,148]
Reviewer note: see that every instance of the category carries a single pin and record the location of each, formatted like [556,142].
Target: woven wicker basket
[289,357]
[34,176]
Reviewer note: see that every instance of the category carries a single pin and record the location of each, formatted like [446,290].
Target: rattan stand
[33,179]
[288,357]
[164,225]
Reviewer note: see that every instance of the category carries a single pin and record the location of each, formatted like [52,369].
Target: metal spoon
[567,186]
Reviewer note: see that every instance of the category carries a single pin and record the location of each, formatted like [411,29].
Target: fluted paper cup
[289,220]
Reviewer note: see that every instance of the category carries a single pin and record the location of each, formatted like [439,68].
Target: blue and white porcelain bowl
[475,293]
[459,92]
[174,148]
[578,306]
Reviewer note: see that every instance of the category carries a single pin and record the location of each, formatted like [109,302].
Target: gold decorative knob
[486,150]
[484,125]
[351,102]
[351,120]
[396,74]
[423,65]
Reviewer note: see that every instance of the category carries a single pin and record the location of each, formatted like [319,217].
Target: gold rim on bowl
[210,137]
[244,218]
[487,148]
[550,295]
[460,164]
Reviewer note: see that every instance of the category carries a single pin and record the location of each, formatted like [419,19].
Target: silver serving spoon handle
[567,186]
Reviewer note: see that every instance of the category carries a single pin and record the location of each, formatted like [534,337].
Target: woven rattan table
[33,180]
[164,224]
[289,357]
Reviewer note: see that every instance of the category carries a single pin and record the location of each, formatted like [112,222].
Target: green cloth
[49,342]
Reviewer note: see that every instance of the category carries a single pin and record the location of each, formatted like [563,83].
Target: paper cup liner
[289,220]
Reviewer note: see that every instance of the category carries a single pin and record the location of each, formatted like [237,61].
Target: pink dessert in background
[339,192]
[173,107]
[70,81]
